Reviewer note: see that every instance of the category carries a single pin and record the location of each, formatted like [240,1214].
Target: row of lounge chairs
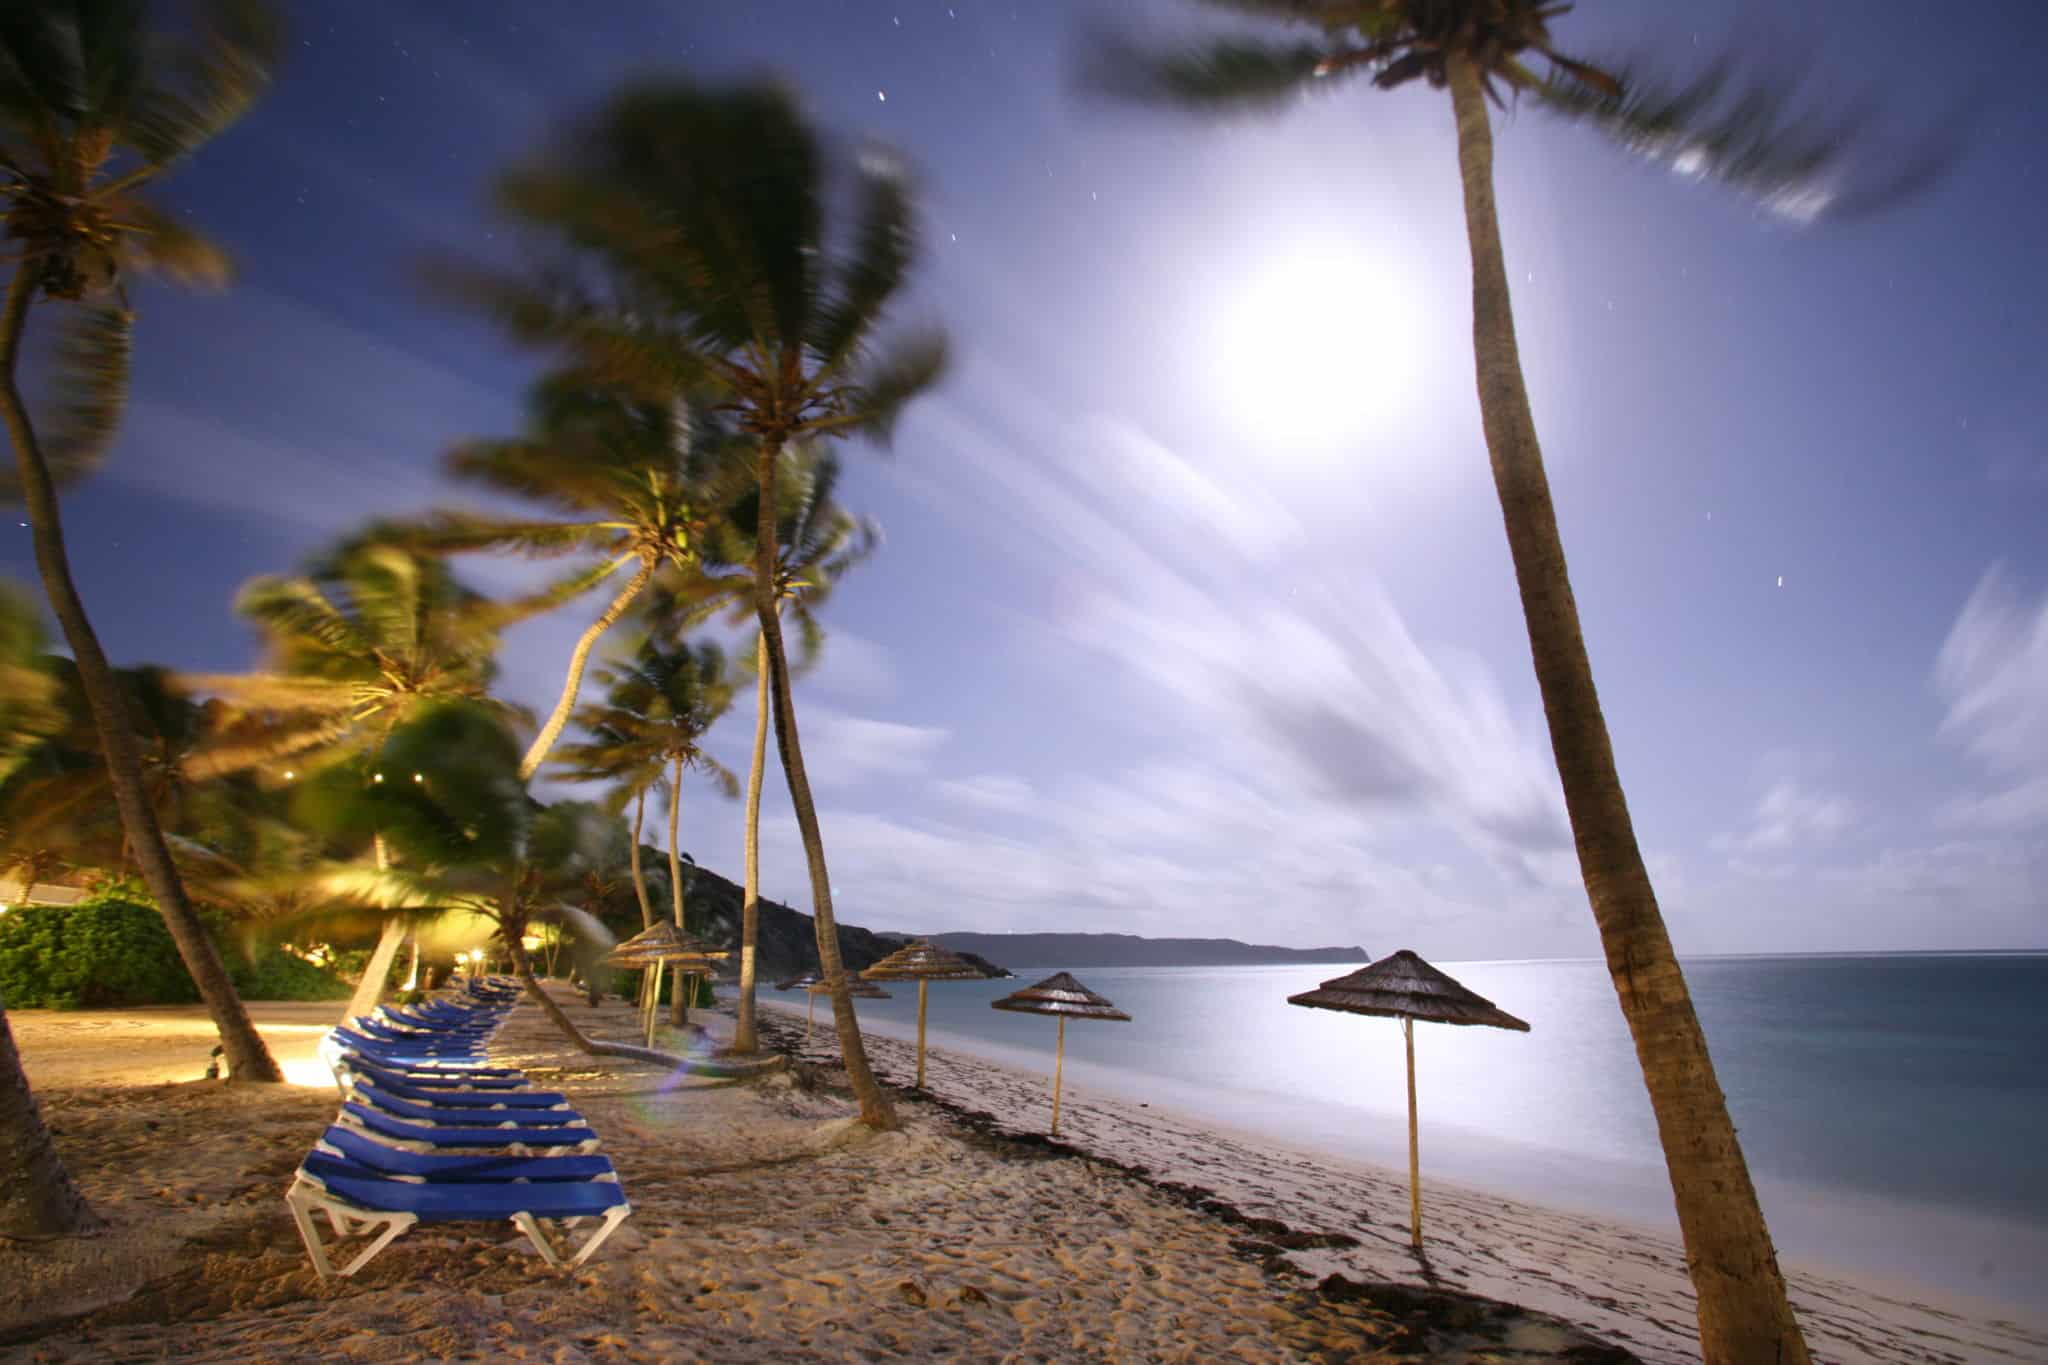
[430,1132]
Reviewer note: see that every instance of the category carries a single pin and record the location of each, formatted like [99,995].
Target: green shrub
[111,951]
[101,952]
[275,974]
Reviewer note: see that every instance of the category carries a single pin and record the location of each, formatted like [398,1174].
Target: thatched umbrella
[814,982]
[923,963]
[1405,987]
[1064,998]
[664,945]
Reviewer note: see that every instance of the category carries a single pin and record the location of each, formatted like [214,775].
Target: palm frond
[155,243]
[1750,126]
[90,382]
[1221,75]
[552,313]
[878,263]
[906,370]
[298,607]
[454,532]
[213,79]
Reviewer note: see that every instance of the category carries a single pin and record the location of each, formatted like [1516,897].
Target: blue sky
[1194,614]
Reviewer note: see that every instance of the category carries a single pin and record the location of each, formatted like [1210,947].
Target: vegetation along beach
[917,682]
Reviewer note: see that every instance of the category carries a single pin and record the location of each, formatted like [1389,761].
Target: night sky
[1194,614]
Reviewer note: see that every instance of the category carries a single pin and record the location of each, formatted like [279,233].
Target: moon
[1314,350]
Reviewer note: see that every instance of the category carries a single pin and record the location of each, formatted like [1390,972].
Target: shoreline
[1621,1279]
[1977,1259]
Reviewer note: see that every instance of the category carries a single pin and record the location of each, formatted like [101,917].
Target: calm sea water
[1894,1109]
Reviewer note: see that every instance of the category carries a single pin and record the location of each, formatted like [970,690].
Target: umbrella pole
[1414,1155]
[921,985]
[811,1018]
[1059,1061]
[654,1003]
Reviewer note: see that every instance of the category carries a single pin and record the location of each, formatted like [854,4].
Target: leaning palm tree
[1749,137]
[472,838]
[620,756]
[693,224]
[632,480]
[818,542]
[358,644]
[37,1199]
[93,108]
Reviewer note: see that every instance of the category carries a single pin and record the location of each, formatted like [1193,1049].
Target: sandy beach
[768,1226]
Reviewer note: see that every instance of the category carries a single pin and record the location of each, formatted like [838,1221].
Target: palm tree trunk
[370,986]
[639,877]
[1744,1315]
[875,1109]
[746,1036]
[37,1198]
[248,1059]
[678,1005]
[578,657]
[522,967]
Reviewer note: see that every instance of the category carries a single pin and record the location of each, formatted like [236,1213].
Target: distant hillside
[787,943]
[1129,950]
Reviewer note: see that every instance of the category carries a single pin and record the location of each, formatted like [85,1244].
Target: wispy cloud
[1993,674]
[991,791]
[1791,817]
[841,749]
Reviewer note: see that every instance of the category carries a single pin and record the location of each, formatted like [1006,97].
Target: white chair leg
[612,1218]
[552,1253]
[305,1200]
[298,1201]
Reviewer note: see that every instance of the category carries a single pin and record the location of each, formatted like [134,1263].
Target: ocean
[1893,1108]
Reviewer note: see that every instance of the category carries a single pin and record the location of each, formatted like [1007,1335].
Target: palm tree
[359,643]
[693,227]
[619,756]
[1746,137]
[818,542]
[94,107]
[668,698]
[470,837]
[633,479]
[38,1200]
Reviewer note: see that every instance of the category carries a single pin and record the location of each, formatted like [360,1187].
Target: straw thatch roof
[924,961]
[665,943]
[815,982]
[855,987]
[1403,986]
[1060,994]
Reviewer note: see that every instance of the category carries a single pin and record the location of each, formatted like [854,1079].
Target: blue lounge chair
[355,1077]
[422,1052]
[462,1116]
[456,1081]
[356,1198]
[400,1163]
[435,1137]
[429,1041]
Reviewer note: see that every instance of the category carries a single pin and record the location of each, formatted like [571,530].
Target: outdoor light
[419,777]
[530,942]
[376,777]
[289,774]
